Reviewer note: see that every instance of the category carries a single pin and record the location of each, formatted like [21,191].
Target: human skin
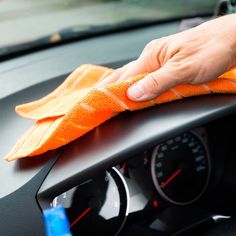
[193,56]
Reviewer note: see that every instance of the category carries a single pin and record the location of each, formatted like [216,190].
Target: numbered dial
[98,206]
[180,168]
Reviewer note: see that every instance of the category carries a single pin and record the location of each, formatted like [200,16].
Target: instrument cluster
[174,172]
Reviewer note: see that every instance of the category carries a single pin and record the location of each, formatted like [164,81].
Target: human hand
[194,56]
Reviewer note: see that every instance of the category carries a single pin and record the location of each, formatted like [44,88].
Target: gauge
[98,206]
[180,168]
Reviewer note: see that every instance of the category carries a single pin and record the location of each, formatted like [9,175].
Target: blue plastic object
[56,221]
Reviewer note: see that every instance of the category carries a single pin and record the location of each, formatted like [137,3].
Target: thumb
[153,85]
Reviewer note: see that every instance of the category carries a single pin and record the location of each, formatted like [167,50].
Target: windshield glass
[23,21]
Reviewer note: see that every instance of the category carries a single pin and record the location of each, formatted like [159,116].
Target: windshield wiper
[79,32]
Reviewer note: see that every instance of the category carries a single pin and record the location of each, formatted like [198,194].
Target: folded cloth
[77,106]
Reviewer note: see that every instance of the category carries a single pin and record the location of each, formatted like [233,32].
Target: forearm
[221,30]
[232,34]
[227,27]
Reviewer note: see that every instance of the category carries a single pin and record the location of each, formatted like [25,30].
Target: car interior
[165,170]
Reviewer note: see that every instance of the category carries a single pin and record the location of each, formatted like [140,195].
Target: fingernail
[136,91]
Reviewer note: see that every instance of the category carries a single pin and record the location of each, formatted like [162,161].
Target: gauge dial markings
[97,206]
[183,162]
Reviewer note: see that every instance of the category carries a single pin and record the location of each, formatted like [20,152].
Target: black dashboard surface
[112,142]
[32,76]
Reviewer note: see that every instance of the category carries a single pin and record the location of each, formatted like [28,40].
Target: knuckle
[156,51]
[116,73]
[200,76]
[119,70]
[183,72]
[152,84]
[151,43]
[149,47]
[129,64]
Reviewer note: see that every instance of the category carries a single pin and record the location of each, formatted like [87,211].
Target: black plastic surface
[130,133]
[225,228]
[20,213]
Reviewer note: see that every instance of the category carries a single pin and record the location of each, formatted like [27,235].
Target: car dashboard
[165,170]
[178,186]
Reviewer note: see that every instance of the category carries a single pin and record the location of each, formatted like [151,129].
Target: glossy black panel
[130,133]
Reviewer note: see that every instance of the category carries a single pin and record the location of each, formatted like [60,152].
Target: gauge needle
[123,168]
[84,213]
[164,184]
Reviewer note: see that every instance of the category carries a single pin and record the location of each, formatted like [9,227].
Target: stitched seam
[114,97]
[73,85]
[42,137]
[205,86]
[54,97]
[80,77]
[62,139]
[152,102]
[87,107]
[176,93]
[25,138]
[103,76]
[230,80]
[79,126]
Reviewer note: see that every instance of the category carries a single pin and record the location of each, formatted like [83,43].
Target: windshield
[23,21]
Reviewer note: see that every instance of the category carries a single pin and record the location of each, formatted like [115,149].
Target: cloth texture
[78,106]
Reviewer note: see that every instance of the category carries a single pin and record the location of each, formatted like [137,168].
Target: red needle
[123,167]
[80,217]
[177,172]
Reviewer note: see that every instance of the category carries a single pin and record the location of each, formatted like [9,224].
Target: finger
[135,69]
[153,85]
[115,75]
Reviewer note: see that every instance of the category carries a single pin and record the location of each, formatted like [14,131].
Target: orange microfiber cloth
[76,107]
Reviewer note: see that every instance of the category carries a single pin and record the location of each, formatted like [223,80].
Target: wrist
[230,34]
[223,31]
